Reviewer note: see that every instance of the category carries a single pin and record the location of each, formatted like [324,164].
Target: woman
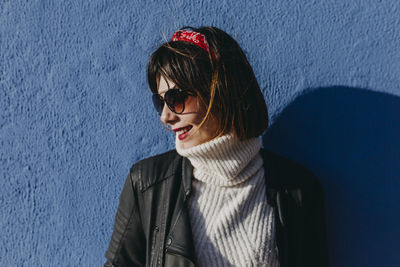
[218,199]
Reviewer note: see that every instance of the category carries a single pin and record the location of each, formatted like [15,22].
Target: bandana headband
[191,37]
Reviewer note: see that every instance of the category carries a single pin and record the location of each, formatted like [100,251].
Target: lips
[183,132]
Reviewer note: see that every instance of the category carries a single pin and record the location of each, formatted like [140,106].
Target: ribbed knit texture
[232,223]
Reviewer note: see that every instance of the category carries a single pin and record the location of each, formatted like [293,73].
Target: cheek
[195,108]
[193,118]
[192,104]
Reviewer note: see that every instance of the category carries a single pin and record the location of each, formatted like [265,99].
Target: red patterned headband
[191,37]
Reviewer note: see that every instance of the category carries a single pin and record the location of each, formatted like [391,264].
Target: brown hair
[222,78]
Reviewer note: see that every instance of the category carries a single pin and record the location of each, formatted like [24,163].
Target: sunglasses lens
[175,99]
[158,103]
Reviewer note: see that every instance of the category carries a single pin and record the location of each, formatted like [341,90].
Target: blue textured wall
[75,113]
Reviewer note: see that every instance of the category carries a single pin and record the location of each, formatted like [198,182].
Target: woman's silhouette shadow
[350,138]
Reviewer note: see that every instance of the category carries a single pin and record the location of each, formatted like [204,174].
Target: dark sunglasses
[174,98]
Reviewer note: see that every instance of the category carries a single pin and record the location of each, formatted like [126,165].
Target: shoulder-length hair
[222,79]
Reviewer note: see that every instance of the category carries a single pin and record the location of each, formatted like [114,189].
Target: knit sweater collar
[224,161]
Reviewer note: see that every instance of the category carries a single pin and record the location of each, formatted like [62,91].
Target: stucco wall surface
[76,113]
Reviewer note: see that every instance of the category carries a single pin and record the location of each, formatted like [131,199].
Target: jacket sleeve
[128,244]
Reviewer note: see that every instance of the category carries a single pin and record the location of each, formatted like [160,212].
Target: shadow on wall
[350,138]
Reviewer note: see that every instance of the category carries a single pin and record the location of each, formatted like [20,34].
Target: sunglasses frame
[158,97]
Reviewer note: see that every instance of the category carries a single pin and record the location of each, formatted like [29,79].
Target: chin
[186,145]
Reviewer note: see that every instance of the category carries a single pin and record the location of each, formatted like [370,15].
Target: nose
[167,116]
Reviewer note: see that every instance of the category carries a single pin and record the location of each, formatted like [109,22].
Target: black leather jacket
[152,226]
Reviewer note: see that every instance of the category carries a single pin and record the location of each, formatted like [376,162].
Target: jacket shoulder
[152,170]
[298,197]
[286,173]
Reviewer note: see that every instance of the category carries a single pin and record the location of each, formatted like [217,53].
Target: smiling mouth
[182,133]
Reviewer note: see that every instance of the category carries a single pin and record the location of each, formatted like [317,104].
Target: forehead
[164,85]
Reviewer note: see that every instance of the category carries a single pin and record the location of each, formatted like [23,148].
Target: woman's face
[186,125]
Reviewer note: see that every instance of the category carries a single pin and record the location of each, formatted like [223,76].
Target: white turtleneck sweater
[232,223]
